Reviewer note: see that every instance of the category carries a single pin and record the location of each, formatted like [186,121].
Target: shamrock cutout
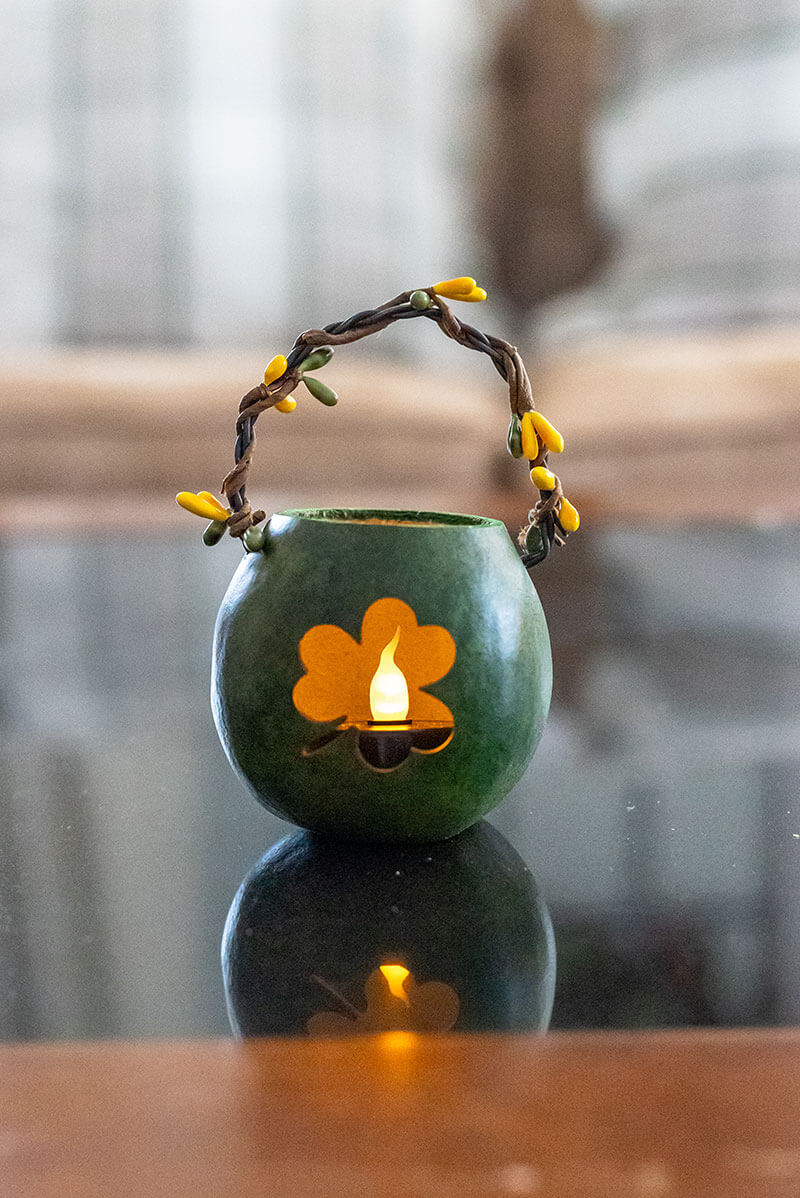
[340,672]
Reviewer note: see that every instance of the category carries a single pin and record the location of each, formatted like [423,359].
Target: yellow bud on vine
[549,435]
[276,368]
[530,441]
[568,516]
[543,478]
[455,288]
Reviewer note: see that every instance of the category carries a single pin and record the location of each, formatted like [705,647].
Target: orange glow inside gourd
[381,679]
[395,977]
[388,691]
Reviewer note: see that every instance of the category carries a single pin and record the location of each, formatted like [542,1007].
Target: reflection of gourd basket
[327,938]
[530,434]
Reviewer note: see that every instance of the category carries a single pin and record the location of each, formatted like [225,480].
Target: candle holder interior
[380,680]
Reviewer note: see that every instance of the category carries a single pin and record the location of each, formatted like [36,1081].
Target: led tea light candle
[388,691]
[389,732]
[384,675]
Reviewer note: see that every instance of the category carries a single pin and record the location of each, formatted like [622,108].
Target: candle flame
[388,691]
[395,976]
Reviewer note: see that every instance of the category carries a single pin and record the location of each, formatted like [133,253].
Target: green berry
[515,437]
[214,532]
[536,543]
[322,391]
[320,357]
[254,539]
[419,300]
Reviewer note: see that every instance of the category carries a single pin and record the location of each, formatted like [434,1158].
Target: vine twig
[530,435]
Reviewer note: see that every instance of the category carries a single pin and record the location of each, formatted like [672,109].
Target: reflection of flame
[388,691]
[395,976]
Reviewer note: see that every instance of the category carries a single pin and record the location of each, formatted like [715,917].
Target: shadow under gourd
[327,937]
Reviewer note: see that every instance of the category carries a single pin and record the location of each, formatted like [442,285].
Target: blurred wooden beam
[86,432]
[674,428]
[670,429]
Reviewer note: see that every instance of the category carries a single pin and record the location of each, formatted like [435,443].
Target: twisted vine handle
[530,435]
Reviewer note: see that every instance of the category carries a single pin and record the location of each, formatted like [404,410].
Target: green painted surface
[464,912]
[462,573]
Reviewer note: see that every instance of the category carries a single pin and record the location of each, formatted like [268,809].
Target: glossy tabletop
[660,816]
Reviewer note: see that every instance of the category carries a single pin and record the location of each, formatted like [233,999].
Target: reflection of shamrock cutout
[395,1003]
[340,671]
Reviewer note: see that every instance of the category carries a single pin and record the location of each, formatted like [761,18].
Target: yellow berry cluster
[276,368]
[527,438]
[202,504]
[463,288]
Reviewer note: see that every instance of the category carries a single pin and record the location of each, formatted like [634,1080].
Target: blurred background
[184,188]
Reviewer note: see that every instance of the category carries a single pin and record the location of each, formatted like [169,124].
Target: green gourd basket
[301,635]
